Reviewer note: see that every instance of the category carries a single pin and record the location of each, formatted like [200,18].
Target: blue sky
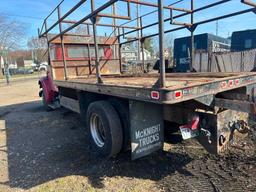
[32,12]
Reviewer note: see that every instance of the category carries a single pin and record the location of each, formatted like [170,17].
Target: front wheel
[105,127]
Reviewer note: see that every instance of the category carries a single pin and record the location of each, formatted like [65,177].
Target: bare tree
[168,45]
[12,33]
[38,48]
[82,30]
[148,44]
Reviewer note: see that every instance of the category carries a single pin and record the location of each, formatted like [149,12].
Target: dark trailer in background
[243,40]
[203,42]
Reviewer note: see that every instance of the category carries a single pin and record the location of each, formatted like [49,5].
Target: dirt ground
[49,151]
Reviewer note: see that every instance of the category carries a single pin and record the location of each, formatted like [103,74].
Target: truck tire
[105,128]
[122,109]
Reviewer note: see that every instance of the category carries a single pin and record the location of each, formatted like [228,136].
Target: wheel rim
[97,130]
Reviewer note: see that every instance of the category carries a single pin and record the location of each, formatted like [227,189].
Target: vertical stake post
[62,46]
[192,49]
[161,43]
[97,59]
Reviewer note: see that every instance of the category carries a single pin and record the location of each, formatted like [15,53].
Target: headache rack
[121,31]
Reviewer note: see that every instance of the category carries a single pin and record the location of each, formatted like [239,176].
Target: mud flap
[147,128]
[222,129]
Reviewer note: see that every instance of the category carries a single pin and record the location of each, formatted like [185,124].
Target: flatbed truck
[128,112]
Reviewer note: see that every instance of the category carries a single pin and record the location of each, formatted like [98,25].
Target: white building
[28,63]
[13,66]
[147,55]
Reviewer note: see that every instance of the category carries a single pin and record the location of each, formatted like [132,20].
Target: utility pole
[217,27]
[114,20]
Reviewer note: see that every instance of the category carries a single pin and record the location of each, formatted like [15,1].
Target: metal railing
[91,20]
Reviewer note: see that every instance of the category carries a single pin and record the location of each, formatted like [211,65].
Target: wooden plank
[86,40]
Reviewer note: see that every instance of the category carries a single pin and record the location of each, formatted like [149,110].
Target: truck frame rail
[180,87]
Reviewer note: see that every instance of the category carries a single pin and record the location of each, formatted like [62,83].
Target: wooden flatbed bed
[179,86]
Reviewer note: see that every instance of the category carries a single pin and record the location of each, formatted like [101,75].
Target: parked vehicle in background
[29,71]
[34,66]
[21,70]
[243,40]
[203,43]
[43,67]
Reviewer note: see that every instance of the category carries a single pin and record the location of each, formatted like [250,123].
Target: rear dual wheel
[106,133]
